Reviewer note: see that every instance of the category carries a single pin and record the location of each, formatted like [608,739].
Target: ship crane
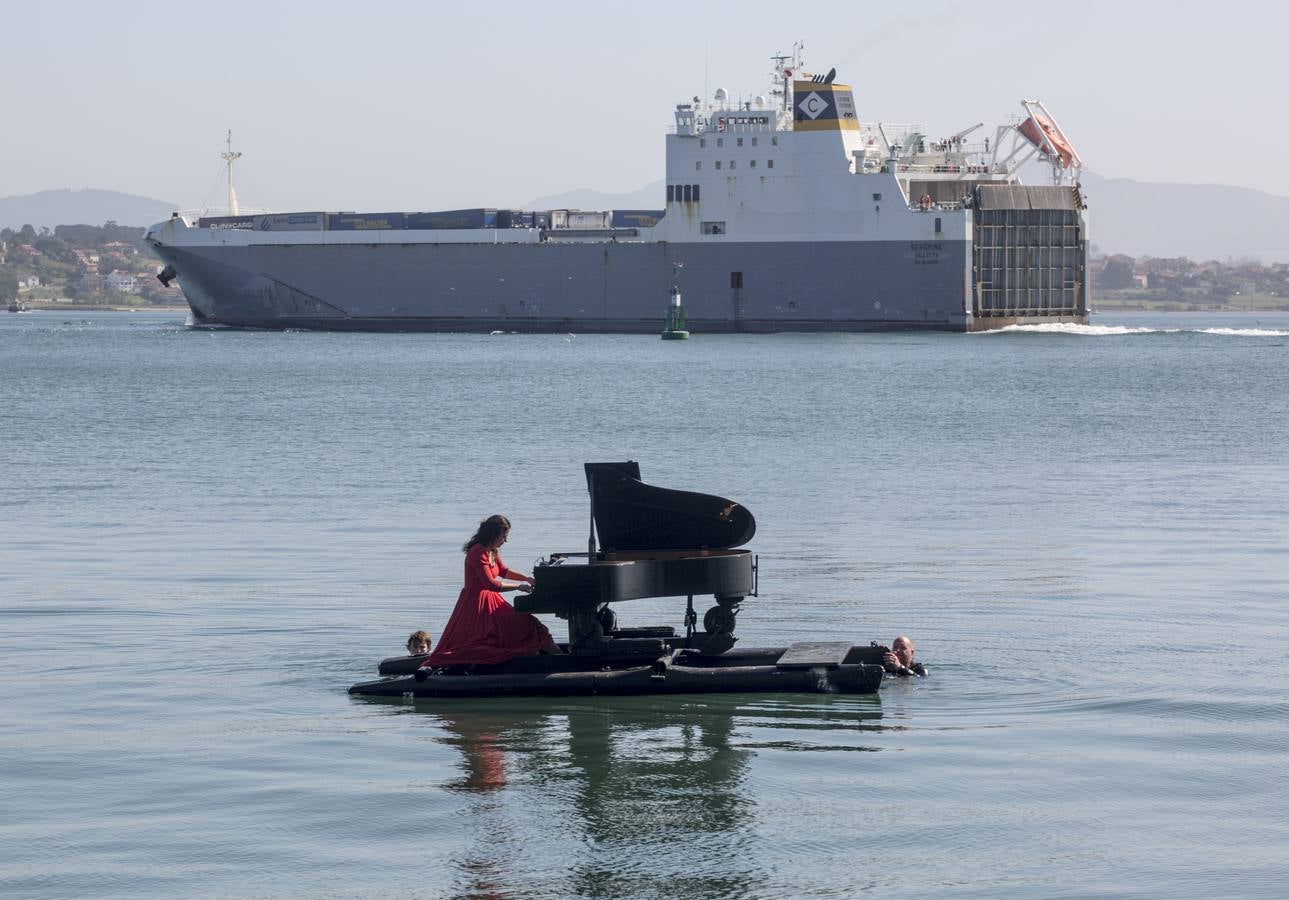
[957,138]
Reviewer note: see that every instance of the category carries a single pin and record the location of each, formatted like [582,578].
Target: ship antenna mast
[229,157]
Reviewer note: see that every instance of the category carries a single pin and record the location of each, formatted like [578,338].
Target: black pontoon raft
[653,542]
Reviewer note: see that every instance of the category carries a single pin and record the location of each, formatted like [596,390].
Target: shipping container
[365,221]
[510,218]
[452,218]
[636,218]
[580,219]
[310,221]
[236,223]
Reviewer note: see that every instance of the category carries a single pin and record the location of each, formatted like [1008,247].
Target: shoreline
[94,307]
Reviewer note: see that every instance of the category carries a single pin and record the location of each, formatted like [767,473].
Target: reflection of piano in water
[652,542]
[640,778]
[637,796]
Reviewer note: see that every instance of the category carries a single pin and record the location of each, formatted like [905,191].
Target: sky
[427,105]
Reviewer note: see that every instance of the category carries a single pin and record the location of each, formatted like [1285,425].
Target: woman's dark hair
[490,529]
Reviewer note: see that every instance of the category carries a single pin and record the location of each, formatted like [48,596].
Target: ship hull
[578,287]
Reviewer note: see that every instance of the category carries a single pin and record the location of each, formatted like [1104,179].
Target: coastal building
[86,260]
[122,282]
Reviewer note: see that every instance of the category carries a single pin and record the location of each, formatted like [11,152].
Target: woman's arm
[479,560]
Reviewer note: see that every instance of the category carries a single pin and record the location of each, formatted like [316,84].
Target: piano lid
[632,517]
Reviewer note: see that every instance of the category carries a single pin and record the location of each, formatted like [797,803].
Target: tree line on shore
[106,264]
[1181,283]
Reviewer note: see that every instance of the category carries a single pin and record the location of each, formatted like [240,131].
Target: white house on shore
[123,282]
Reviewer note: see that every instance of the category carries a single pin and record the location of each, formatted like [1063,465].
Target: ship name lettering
[927,253]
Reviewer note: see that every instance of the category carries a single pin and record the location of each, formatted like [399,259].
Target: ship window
[732,163]
[769,164]
[736,281]
[753,142]
[713,228]
[720,142]
[718,163]
[752,164]
[938,229]
[740,142]
[695,193]
[671,193]
[698,166]
[877,198]
[775,140]
[702,142]
[689,193]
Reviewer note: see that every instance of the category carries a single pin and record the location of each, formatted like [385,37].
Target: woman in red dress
[484,628]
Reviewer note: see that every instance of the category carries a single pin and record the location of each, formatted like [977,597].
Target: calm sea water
[205,537]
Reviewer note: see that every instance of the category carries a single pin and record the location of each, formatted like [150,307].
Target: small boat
[652,542]
[17,306]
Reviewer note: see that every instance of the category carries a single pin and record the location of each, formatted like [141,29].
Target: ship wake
[1116,330]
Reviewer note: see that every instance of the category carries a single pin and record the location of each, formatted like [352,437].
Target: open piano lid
[633,517]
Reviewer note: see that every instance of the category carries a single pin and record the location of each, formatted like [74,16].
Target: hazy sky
[400,105]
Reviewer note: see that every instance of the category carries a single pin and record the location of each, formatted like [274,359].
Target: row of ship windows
[682,193]
[769,164]
[720,142]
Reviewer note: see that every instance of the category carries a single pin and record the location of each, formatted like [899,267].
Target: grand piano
[646,541]
[652,542]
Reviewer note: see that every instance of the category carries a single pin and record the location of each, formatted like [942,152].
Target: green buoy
[675,327]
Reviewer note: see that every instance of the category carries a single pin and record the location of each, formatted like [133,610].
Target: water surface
[205,537]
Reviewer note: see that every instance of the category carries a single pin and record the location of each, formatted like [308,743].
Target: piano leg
[607,618]
[584,629]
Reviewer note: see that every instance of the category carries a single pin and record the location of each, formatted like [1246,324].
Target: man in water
[899,659]
[418,644]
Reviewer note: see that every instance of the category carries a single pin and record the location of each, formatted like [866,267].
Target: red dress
[484,628]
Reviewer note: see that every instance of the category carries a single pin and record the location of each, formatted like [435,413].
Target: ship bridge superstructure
[786,150]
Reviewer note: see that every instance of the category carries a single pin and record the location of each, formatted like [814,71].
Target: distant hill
[1199,221]
[86,207]
[1139,218]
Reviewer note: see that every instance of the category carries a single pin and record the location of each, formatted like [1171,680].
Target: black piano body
[648,541]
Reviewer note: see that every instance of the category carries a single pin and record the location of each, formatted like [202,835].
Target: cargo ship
[782,212]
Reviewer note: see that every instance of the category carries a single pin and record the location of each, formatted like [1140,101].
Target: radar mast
[229,157]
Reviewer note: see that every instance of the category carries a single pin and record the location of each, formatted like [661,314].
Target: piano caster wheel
[718,620]
[608,619]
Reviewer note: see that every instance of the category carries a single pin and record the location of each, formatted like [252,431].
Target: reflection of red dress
[484,628]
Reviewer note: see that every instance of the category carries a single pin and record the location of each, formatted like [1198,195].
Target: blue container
[452,218]
[306,221]
[365,221]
